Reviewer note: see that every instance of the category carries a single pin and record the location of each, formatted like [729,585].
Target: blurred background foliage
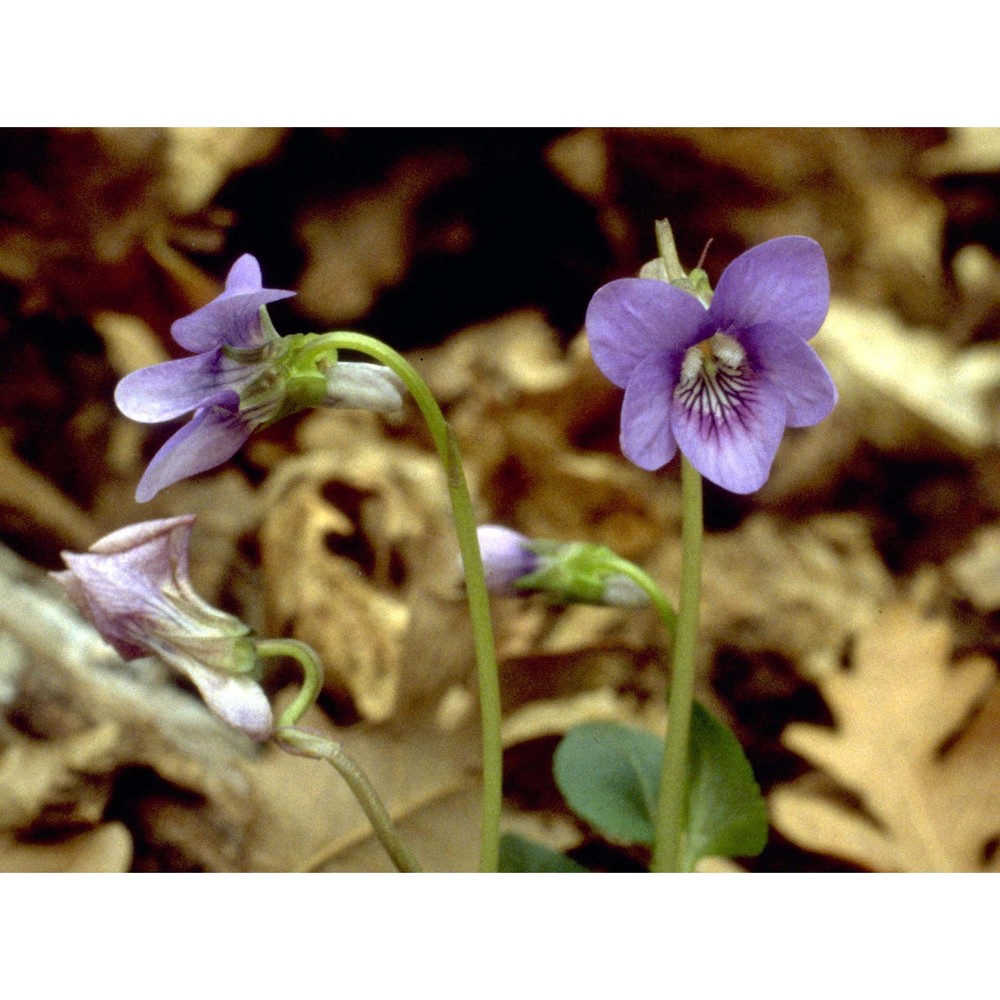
[478,251]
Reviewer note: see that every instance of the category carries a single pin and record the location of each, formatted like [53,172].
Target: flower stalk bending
[306,744]
[478,598]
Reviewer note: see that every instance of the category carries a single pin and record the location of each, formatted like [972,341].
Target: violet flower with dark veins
[721,383]
[133,587]
[244,377]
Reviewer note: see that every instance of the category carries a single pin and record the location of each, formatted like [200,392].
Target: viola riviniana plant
[243,377]
[133,587]
[718,379]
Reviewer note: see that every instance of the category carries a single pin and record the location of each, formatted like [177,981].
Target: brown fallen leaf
[803,590]
[106,848]
[924,776]
[349,534]
[62,782]
[976,570]
[33,496]
[200,160]
[307,818]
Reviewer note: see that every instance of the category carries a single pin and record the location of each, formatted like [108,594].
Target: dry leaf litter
[849,617]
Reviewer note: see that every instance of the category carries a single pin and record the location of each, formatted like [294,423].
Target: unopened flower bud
[358,385]
[568,572]
[507,558]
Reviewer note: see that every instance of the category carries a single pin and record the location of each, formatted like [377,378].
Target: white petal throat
[716,381]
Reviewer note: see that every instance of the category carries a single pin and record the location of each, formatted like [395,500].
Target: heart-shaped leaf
[518,854]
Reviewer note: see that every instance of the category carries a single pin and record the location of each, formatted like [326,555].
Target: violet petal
[794,369]
[783,282]
[631,318]
[506,557]
[232,318]
[176,529]
[232,321]
[646,435]
[173,388]
[238,701]
[734,450]
[244,275]
[212,436]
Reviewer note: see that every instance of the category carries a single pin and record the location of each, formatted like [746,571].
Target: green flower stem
[312,675]
[306,744]
[668,849]
[479,606]
[656,596]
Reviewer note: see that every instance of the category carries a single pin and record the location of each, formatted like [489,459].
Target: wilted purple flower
[720,383]
[244,377]
[565,571]
[133,587]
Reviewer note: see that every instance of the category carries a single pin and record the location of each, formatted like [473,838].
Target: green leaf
[726,814]
[518,854]
[609,775]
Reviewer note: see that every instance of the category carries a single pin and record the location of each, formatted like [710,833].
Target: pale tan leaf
[57,778]
[912,377]
[307,817]
[345,530]
[106,848]
[929,788]
[976,570]
[828,828]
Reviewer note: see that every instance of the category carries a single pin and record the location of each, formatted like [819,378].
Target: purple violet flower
[133,587]
[243,377]
[721,383]
[210,383]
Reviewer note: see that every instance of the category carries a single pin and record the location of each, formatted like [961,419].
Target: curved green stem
[656,596]
[668,849]
[479,607]
[306,744]
[312,675]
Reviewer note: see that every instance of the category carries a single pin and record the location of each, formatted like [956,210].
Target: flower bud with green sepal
[566,572]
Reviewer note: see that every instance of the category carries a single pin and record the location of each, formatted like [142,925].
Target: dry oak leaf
[60,781]
[352,533]
[926,776]
[106,848]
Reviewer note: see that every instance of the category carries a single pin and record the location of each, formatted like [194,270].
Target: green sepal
[518,854]
[293,374]
[701,286]
[302,370]
[571,572]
